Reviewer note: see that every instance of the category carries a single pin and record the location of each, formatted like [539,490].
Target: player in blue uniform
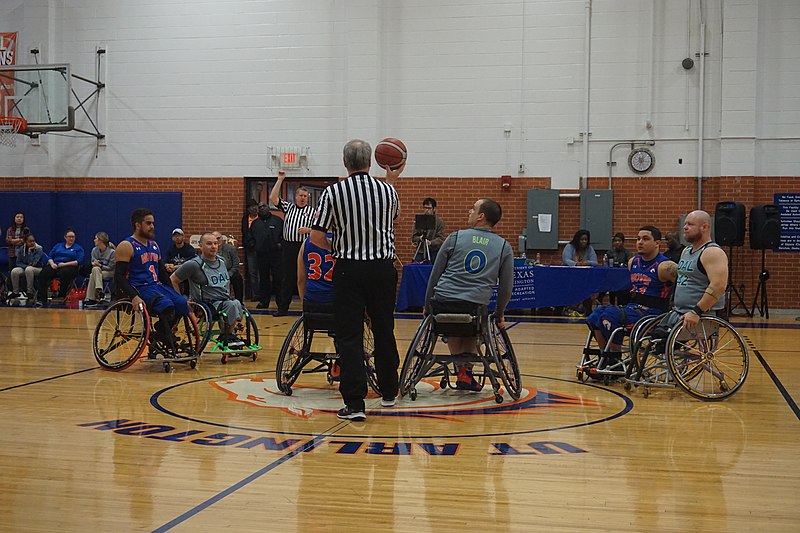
[652,277]
[140,269]
[315,277]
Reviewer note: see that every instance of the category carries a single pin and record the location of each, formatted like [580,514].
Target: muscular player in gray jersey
[702,272]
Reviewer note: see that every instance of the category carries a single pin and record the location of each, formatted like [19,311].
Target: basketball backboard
[38,93]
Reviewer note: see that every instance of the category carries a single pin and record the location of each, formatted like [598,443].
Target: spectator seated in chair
[578,252]
[30,261]
[100,269]
[180,251]
[63,262]
[15,237]
[618,257]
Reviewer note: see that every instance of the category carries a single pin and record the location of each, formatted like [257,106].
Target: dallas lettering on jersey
[218,281]
[684,267]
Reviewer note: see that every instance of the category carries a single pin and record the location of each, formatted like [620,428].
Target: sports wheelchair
[297,352]
[125,334]
[709,364]
[211,324]
[495,354]
[605,364]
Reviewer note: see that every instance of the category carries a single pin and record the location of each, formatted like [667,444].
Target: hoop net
[9,128]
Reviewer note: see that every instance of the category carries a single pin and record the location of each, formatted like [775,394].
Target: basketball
[390,153]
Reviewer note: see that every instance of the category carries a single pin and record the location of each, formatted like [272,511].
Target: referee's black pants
[365,286]
[289,287]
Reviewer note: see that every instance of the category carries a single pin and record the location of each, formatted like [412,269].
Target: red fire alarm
[505,182]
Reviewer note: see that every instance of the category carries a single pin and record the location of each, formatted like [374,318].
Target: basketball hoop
[9,128]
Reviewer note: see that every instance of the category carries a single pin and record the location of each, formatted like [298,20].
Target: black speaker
[765,227]
[729,224]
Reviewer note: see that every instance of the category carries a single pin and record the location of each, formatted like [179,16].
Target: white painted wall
[203,88]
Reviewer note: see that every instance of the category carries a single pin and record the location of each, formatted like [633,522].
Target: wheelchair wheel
[205,322]
[647,360]
[292,357]
[121,336]
[711,363]
[250,336]
[187,339]
[414,365]
[640,329]
[369,358]
[506,360]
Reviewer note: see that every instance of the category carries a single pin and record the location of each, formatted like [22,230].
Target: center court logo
[252,402]
[432,402]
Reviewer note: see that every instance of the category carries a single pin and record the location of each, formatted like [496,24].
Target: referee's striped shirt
[294,219]
[360,211]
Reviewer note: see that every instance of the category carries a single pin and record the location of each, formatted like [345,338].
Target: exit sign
[290,158]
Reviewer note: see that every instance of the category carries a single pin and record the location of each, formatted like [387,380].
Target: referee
[296,223]
[360,212]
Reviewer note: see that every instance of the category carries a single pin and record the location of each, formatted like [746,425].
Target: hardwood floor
[218,448]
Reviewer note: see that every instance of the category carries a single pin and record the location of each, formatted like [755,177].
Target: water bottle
[80,304]
[538,259]
[605,260]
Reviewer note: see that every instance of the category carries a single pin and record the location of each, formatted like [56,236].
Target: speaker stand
[763,304]
[731,290]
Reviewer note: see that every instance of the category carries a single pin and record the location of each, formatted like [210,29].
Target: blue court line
[781,388]
[308,446]
[49,379]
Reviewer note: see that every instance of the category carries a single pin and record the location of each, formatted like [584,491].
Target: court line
[779,385]
[49,379]
[307,447]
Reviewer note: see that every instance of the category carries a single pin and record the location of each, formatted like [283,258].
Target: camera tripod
[425,249]
[763,304]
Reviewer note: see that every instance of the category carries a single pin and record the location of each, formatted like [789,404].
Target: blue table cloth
[537,286]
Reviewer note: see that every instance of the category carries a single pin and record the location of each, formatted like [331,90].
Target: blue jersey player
[652,277]
[140,269]
[315,276]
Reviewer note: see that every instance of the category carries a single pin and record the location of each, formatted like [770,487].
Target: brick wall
[216,203]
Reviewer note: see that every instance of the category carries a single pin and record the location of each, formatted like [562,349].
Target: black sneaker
[348,413]
[262,305]
[235,342]
[13,295]
[281,312]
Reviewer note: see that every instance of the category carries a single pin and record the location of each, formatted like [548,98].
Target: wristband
[696,310]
